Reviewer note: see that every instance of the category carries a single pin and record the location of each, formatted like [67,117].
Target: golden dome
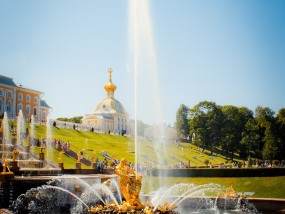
[110,86]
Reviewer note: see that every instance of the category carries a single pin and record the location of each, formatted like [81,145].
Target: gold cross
[110,74]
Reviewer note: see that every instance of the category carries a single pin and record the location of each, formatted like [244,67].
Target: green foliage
[206,162]
[205,120]
[182,123]
[72,119]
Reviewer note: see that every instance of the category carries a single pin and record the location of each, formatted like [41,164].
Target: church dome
[110,105]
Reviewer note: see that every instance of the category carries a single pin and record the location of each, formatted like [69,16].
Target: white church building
[109,115]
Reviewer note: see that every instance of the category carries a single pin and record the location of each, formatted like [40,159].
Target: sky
[228,52]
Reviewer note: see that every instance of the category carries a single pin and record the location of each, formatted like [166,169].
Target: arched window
[9,94]
[35,111]
[20,96]
[8,109]
[28,109]
[28,98]
[20,107]
[35,100]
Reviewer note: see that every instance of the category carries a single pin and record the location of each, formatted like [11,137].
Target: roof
[7,81]
[110,105]
[44,104]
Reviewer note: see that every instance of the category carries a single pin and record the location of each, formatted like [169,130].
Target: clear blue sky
[229,52]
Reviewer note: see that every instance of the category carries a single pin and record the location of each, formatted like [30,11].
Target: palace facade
[109,115]
[14,97]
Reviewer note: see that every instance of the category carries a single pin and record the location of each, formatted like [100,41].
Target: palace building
[109,115]
[14,97]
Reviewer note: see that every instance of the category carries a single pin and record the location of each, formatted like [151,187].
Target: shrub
[206,162]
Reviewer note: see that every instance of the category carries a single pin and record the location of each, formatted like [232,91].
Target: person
[130,183]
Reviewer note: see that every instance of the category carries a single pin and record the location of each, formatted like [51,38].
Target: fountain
[20,129]
[66,194]
[6,137]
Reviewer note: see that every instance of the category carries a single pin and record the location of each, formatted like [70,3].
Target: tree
[250,142]
[182,123]
[267,123]
[205,120]
[280,119]
[235,120]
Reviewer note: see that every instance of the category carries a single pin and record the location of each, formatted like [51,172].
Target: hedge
[220,172]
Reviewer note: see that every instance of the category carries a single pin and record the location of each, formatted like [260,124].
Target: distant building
[14,98]
[109,115]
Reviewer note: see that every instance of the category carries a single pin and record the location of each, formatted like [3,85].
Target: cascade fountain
[32,130]
[49,145]
[6,138]
[20,129]
[79,196]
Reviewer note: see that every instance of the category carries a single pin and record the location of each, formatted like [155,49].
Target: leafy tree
[271,148]
[269,131]
[251,139]
[280,119]
[235,120]
[71,120]
[205,120]
[182,123]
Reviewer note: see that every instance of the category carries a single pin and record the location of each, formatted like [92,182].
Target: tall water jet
[20,128]
[48,138]
[6,133]
[146,82]
[32,129]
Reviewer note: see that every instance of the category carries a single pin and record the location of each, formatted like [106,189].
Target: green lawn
[122,147]
[263,187]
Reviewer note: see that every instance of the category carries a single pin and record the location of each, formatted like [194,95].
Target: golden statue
[130,183]
[78,157]
[6,166]
[15,153]
[60,156]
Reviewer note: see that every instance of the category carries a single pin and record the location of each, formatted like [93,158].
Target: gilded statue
[6,166]
[78,157]
[15,153]
[130,183]
[60,156]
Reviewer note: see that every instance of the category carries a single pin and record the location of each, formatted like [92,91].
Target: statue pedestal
[14,167]
[61,165]
[78,165]
[41,156]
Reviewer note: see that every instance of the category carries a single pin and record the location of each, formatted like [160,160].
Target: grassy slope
[267,187]
[121,147]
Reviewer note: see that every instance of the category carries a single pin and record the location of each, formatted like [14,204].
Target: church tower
[109,115]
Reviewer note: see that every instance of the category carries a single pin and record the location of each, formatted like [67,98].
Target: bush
[206,162]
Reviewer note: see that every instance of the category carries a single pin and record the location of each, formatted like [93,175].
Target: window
[27,109]
[44,115]
[35,100]
[0,105]
[20,107]
[1,93]
[28,98]
[20,96]
[9,94]
[8,107]
[35,111]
